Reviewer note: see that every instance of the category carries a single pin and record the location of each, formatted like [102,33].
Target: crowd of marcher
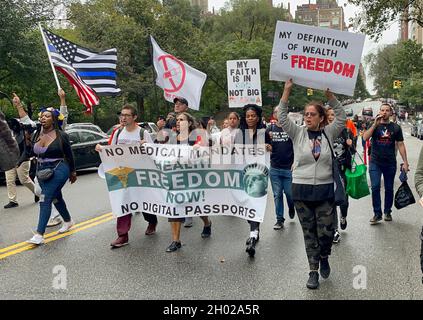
[301,167]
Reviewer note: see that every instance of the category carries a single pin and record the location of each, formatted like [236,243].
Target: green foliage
[375,16]
[395,62]
[411,92]
[243,30]
[360,90]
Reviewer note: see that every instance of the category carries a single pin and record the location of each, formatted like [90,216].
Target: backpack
[120,130]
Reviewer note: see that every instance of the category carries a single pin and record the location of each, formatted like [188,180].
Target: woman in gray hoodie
[312,179]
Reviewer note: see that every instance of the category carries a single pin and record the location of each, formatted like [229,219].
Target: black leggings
[254,225]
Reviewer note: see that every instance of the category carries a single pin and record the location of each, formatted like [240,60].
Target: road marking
[24,246]
[55,232]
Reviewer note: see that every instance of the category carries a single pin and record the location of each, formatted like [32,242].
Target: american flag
[92,74]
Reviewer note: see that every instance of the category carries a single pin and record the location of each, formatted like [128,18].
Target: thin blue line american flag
[92,74]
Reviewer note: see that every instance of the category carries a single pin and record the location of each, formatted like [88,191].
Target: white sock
[254,234]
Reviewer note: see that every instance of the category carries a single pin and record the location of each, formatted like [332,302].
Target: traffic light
[397,84]
[309,92]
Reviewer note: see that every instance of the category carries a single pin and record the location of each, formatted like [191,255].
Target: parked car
[413,130]
[367,113]
[86,126]
[419,130]
[401,112]
[83,144]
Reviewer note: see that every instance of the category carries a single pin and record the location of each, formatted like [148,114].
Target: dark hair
[203,122]
[243,123]
[389,105]
[190,119]
[131,108]
[56,127]
[171,123]
[161,118]
[320,110]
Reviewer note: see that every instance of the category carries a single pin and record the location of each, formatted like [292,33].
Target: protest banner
[318,58]
[244,83]
[176,78]
[177,181]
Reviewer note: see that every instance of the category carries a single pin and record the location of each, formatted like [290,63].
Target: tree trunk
[95,114]
[140,107]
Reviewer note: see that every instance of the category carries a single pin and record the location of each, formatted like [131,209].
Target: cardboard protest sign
[178,181]
[318,58]
[244,83]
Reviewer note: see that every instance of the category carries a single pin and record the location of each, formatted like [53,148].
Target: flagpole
[49,57]
[154,82]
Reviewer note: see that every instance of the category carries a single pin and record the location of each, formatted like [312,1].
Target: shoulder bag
[340,196]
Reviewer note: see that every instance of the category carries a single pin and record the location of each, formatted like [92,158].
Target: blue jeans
[376,171]
[52,193]
[281,180]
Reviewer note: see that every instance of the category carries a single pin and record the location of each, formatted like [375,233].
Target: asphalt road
[370,262]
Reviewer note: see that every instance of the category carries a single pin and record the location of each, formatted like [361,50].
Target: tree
[17,18]
[394,62]
[380,65]
[360,90]
[23,61]
[411,92]
[246,20]
[376,16]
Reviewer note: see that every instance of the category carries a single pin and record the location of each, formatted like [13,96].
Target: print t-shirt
[343,152]
[383,143]
[126,137]
[282,155]
[315,143]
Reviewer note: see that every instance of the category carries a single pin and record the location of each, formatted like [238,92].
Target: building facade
[203,4]
[324,13]
[415,31]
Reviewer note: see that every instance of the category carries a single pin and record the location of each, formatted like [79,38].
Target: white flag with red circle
[176,78]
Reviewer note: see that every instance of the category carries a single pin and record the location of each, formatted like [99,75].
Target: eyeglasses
[125,115]
[310,114]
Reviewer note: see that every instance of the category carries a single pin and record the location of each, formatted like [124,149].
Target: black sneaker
[387,217]
[251,247]
[375,220]
[11,204]
[175,245]
[206,231]
[278,225]
[313,280]
[292,213]
[36,199]
[343,223]
[324,267]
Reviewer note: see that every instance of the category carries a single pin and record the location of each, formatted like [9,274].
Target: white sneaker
[66,227]
[188,223]
[36,239]
[54,221]
[336,237]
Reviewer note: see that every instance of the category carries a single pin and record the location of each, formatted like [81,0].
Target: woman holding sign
[252,132]
[312,178]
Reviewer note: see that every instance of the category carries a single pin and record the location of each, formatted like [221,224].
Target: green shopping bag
[357,186]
